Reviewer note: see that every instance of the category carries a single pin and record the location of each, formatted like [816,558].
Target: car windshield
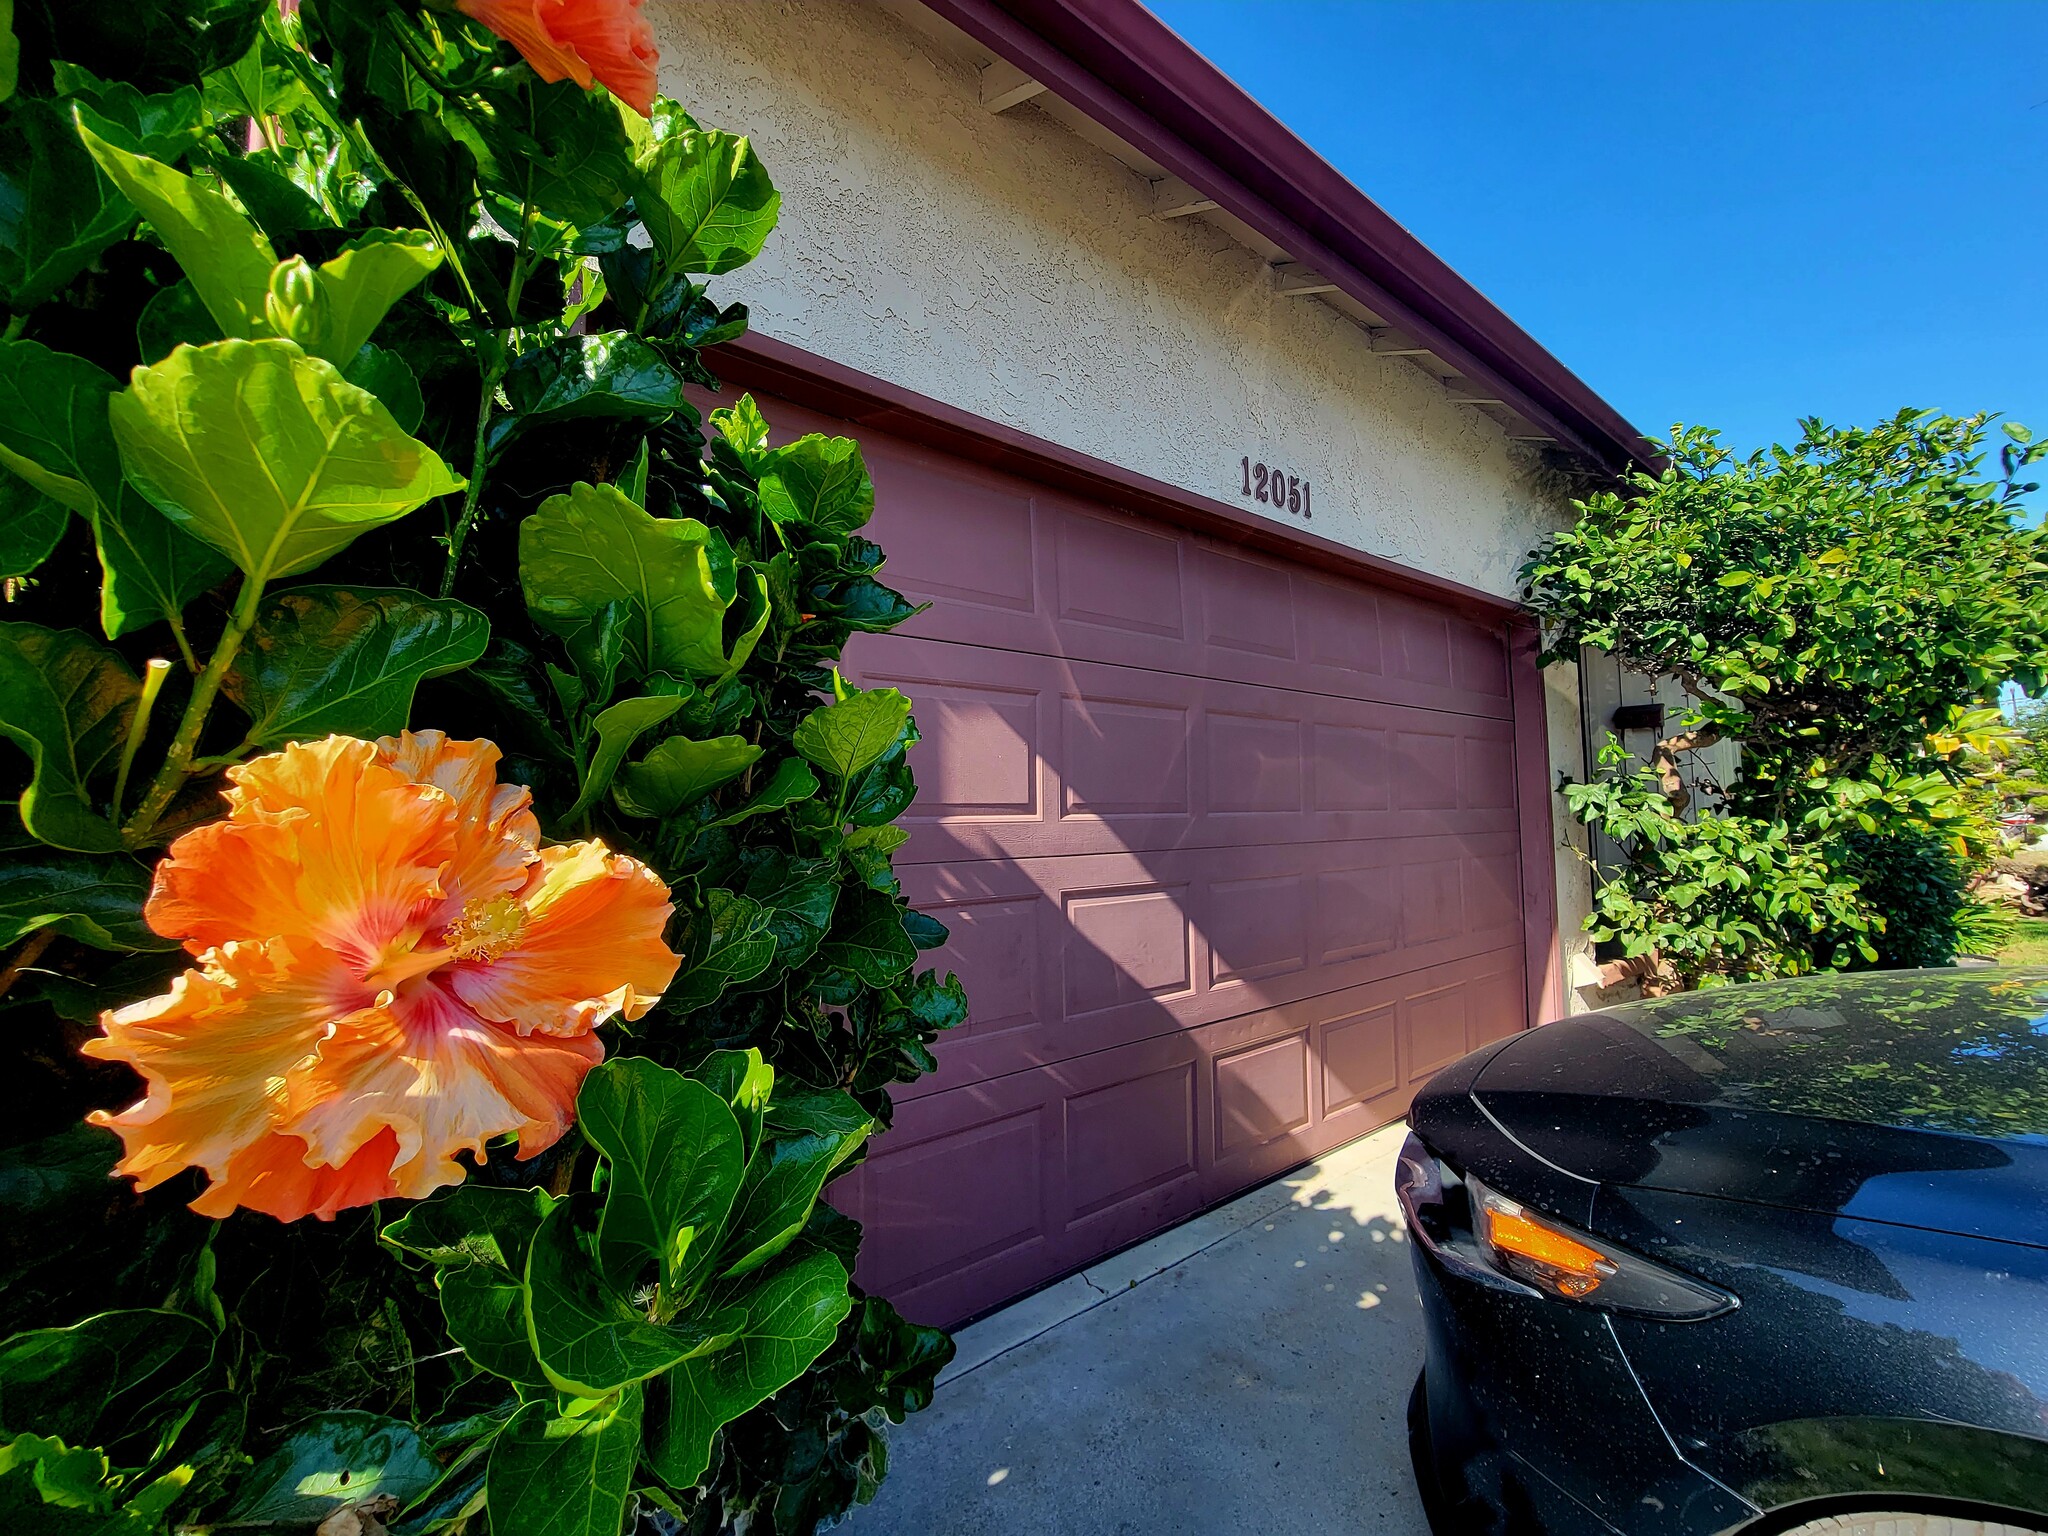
[1955,1050]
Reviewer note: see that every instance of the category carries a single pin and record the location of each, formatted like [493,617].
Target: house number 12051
[1276,488]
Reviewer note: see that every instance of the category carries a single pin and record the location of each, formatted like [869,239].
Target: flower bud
[296,305]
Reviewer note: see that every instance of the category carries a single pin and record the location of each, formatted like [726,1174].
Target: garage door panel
[1122,1142]
[1067,956]
[1024,568]
[1027,756]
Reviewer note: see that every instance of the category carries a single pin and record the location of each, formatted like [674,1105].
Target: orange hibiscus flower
[608,41]
[391,970]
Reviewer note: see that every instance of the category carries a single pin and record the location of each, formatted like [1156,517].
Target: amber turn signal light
[1536,1252]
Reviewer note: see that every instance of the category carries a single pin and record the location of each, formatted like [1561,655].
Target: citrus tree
[447,933]
[1847,609]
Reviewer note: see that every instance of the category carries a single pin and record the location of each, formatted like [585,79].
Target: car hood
[1918,1097]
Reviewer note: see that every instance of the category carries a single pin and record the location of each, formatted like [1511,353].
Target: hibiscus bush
[447,933]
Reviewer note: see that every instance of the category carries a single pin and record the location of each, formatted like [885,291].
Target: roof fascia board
[1142,83]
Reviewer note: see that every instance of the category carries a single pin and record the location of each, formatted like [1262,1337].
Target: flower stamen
[488,927]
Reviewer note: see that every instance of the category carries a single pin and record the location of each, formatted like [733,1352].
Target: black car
[1765,1258]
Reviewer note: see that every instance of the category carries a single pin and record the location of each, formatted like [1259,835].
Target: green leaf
[617,729]
[853,733]
[799,895]
[133,1360]
[54,433]
[66,702]
[782,1183]
[792,1314]
[743,426]
[819,480]
[325,661]
[174,316]
[565,1474]
[31,523]
[744,1081]
[162,125]
[1735,579]
[160,45]
[729,942]
[385,375]
[270,455]
[706,200]
[10,50]
[223,255]
[676,1157]
[868,850]
[868,939]
[791,782]
[57,212]
[97,901]
[373,272]
[610,374]
[334,1461]
[558,147]
[589,1336]
[679,772]
[479,1237]
[676,577]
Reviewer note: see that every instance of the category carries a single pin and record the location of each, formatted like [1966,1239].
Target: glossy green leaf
[868,850]
[385,375]
[706,200]
[31,523]
[160,45]
[132,1359]
[617,728]
[676,1158]
[852,733]
[372,272]
[57,212]
[791,782]
[793,1312]
[66,702]
[679,772]
[728,943]
[225,257]
[556,147]
[478,1237]
[162,125]
[97,901]
[590,1336]
[270,455]
[611,373]
[324,661]
[745,430]
[676,577]
[868,939]
[781,1184]
[55,433]
[330,1462]
[799,894]
[10,50]
[819,480]
[744,1081]
[555,1474]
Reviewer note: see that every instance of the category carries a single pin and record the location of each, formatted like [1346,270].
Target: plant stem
[177,766]
[479,471]
[153,676]
[30,952]
[16,324]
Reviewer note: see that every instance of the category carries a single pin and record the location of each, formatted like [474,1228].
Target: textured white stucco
[1006,266]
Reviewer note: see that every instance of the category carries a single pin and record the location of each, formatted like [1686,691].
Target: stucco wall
[1008,267]
[1005,265]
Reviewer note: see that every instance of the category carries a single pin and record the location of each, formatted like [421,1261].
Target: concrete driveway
[1248,1371]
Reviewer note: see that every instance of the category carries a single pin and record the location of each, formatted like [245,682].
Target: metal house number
[1273,486]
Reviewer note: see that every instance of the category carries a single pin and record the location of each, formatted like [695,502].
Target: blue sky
[1729,213]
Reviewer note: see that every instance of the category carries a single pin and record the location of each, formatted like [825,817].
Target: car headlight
[1481,1235]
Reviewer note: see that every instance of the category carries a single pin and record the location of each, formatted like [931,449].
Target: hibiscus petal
[591,947]
[272,1175]
[519,23]
[322,842]
[614,40]
[215,1052]
[496,831]
[422,1065]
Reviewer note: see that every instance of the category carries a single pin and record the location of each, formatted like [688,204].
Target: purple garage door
[1229,852]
